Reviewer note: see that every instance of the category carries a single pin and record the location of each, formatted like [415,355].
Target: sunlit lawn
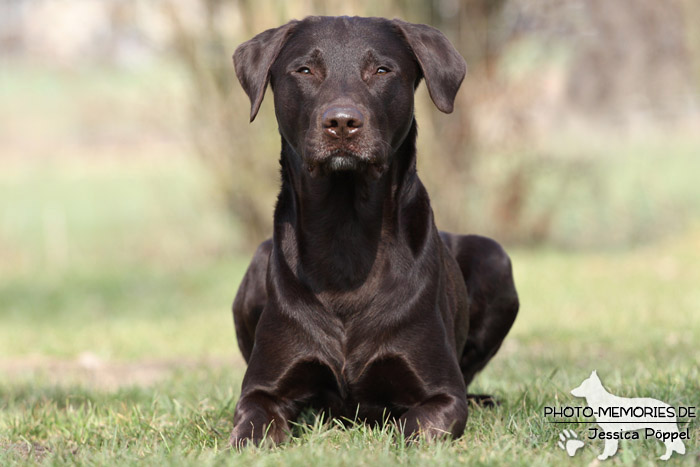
[117,273]
[117,342]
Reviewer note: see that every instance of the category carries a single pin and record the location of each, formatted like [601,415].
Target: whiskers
[367,154]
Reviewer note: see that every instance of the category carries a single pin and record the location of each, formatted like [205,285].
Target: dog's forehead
[347,40]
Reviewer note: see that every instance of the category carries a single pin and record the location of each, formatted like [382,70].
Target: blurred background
[133,190]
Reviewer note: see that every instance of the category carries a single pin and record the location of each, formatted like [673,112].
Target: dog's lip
[340,160]
[346,152]
[322,156]
[343,159]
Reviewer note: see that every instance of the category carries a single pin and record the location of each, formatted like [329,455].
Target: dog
[598,398]
[357,305]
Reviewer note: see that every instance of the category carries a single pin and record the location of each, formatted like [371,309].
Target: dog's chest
[366,368]
[372,388]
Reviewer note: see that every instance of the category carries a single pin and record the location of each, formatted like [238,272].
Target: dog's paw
[569,442]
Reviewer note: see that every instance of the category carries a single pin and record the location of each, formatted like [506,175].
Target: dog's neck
[331,230]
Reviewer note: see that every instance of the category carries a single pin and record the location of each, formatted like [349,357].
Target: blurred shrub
[241,157]
[539,70]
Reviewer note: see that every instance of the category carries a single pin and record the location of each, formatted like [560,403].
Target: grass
[121,348]
[117,344]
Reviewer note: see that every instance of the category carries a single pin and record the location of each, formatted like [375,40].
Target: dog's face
[343,87]
[349,86]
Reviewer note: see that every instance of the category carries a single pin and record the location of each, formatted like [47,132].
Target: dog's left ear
[253,60]
[443,67]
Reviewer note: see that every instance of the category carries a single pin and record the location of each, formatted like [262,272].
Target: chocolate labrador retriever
[358,305]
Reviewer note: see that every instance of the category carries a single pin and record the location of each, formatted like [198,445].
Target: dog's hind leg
[494,304]
[251,298]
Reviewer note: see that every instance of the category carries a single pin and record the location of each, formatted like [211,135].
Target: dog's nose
[342,122]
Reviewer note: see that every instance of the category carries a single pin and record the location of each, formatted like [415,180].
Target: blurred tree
[233,150]
[631,61]
[534,67]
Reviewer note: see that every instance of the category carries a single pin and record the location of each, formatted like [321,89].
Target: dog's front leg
[263,411]
[260,416]
[440,415]
[286,370]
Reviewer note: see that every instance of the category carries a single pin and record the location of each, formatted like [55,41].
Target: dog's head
[343,87]
[589,386]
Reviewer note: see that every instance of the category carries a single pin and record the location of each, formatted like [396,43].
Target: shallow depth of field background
[133,191]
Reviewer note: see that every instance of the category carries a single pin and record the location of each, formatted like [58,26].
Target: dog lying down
[357,305]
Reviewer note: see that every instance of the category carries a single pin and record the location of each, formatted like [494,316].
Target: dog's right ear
[253,60]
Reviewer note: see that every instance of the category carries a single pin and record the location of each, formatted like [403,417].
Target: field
[117,343]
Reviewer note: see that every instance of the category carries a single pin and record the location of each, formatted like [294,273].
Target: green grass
[117,274]
[121,348]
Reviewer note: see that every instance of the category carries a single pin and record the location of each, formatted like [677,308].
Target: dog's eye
[305,70]
[382,70]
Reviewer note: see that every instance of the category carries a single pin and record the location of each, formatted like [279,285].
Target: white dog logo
[638,413]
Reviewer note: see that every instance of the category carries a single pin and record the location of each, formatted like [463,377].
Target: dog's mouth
[345,159]
[340,160]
